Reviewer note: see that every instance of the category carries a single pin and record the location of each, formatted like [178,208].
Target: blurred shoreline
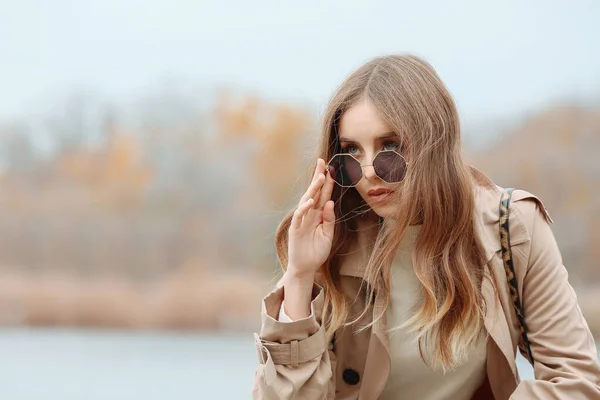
[183,302]
[200,302]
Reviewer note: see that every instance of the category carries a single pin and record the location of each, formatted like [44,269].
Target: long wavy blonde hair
[437,192]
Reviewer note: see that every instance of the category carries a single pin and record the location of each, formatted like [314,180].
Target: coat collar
[487,215]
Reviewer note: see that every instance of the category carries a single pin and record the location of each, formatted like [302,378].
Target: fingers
[300,213]
[325,194]
[313,195]
[319,169]
[313,189]
[328,219]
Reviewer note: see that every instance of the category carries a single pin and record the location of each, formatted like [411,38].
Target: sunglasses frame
[367,165]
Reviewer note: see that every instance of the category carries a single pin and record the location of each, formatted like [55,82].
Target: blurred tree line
[91,194]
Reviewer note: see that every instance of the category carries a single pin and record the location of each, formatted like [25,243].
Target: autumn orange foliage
[171,226]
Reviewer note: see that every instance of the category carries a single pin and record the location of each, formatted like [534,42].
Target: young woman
[394,284]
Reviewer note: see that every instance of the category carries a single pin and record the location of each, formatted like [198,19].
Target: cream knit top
[410,377]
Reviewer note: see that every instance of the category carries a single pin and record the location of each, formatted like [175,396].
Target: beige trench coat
[295,362]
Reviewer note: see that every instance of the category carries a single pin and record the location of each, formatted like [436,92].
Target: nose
[367,169]
[369,172]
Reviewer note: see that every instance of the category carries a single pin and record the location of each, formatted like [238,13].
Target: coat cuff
[283,317]
[291,342]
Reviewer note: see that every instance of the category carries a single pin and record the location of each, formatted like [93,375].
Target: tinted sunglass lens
[390,166]
[345,170]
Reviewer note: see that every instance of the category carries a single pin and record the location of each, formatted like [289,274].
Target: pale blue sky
[498,58]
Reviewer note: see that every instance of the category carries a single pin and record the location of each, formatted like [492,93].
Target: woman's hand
[311,231]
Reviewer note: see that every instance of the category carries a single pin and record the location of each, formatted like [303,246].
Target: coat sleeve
[295,362]
[565,356]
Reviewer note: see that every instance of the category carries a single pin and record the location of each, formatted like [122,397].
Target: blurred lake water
[50,364]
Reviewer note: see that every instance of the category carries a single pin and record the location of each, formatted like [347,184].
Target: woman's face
[362,133]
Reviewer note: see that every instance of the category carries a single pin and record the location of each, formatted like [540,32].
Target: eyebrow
[384,136]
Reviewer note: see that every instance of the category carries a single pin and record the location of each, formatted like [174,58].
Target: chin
[378,210]
[383,211]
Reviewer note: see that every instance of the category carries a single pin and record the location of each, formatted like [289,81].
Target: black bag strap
[510,268]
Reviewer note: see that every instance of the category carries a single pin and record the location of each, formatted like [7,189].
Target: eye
[391,145]
[351,149]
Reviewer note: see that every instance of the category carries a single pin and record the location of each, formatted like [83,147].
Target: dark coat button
[350,376]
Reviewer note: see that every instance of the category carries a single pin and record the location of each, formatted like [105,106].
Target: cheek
[362,191]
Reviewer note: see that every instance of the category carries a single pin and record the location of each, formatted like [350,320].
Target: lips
[378,192]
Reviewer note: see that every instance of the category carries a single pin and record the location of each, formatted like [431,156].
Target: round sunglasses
[346,170]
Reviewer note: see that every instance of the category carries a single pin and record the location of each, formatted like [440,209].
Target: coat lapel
[501,366]
[487,220]
[378,363]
